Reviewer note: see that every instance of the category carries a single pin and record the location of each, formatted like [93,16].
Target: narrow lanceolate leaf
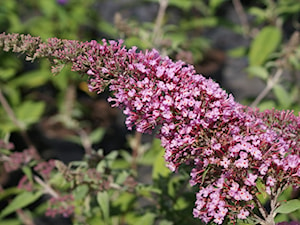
[20,201]
[289,206]
[103,201]
[263,45]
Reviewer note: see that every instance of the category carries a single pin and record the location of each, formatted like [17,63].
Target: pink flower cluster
[18,159]
[25,183]
[61,206]
[227,146]
[45,168]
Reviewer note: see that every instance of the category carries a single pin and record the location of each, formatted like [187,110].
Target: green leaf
[159,167]
[258,13]
[263,45]
[48,8]
[284,98]
[121,177]
[97,135]
[27,171]
[147,219]
[289,206]
[60,182]
[9,191]
[30,112]
[12,94]
[107,28]
[294,60]
[237,52]
[7,125]
[20,201]
[258,71]
[124,201]
[184,5]
[31,79]
[269,104]
[10,222]
[147,190]
[199,22]
[150,156]
[103,201]
[262,194]
[7,73]
[80,192]
[180,204]
[214,4]
[165,222]
[107,162]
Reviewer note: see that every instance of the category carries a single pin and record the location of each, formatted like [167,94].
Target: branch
[163,4]
[270,84]
[47,188]
[242,15]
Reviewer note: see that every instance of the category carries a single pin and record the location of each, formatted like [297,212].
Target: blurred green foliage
[273,54]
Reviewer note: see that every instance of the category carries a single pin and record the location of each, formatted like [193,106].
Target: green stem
[270,84]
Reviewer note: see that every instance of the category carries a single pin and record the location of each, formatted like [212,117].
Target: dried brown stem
[47,188]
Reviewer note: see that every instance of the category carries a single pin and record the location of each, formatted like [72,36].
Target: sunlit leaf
[10,222]
[30,112]
[31,79]
[289,206]
[80,192]
[263,45]
[146,219]
[159,167]
[124,201]
[103,201]
[20,201]
[97,135]
[258,71]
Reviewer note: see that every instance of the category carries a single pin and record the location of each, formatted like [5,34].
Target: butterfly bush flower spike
[227,146]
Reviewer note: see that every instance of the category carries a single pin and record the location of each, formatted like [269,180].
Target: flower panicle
[20,43]
[229,147]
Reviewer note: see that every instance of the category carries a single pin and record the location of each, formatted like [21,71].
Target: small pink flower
[90,72]
[250,181]
[271,181]
[218,219]
[225,162]
[243,214]
[263,169]
[241,163]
